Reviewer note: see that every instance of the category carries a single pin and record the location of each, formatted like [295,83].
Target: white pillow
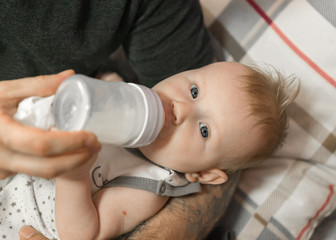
[289,194]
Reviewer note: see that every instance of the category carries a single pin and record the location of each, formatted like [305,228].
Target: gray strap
[159,187]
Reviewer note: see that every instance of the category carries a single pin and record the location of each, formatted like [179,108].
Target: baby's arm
[122,209]
[109,213]
[75,213]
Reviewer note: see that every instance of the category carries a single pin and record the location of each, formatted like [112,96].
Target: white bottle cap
[154,117]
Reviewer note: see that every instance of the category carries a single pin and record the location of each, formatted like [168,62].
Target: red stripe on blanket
[290,44]
[324,205]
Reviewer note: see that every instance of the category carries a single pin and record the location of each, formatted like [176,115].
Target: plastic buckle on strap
[161,187]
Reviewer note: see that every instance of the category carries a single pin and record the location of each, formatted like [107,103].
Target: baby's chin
[146,151]
[151,152]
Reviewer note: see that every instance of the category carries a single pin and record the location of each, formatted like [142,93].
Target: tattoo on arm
[189,217]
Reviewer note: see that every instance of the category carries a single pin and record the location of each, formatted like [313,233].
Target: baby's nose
[180,111]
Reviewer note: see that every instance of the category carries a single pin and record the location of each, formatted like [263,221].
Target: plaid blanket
[292,192]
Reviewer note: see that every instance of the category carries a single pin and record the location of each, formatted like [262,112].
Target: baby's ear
[210,176]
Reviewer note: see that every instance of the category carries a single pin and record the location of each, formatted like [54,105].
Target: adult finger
[44,85]
[46,167]
[27,232]
[36,141]
[5,174]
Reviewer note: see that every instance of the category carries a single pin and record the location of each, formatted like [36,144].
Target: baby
[219,118]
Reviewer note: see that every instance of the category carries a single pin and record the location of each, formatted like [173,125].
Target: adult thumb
[43,85]
[46,84]
[27,232]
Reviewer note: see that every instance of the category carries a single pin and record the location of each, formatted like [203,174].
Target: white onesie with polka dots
[27,200]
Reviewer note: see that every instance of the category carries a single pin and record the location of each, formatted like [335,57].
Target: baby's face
[206,123]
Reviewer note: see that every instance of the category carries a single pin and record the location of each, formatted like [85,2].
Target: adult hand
[31,150]
[27,232]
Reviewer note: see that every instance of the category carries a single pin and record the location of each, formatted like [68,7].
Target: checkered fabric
[291,193]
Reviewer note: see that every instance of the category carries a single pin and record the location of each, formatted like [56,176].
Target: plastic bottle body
[123,114]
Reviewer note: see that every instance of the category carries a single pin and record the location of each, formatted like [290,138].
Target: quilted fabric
[291,193]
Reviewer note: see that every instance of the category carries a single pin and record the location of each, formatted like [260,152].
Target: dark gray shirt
[160,37]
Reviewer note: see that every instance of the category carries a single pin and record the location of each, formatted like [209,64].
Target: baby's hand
[80,173]
[110,77]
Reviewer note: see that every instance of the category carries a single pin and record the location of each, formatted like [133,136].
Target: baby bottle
[124,114]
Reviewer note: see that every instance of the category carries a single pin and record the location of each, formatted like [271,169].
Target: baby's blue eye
[194,91]
[204,130]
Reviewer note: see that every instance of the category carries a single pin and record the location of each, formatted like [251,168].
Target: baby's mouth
[167,113]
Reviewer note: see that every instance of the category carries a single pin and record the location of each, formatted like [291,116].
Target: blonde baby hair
[269,94]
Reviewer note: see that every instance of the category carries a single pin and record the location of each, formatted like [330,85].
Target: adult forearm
[190,217]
